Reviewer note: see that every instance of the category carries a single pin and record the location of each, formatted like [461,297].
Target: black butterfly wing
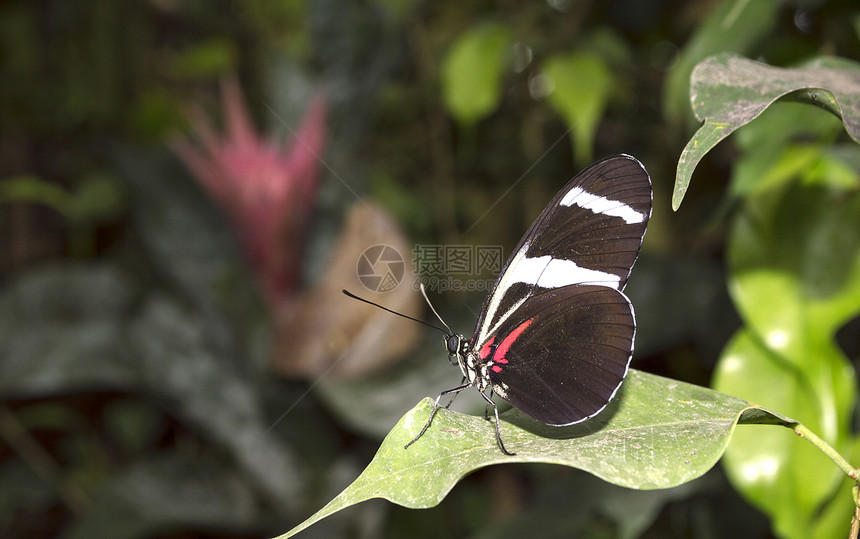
[564,353]
[590,233]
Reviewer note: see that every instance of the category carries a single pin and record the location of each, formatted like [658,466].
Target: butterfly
[555,335]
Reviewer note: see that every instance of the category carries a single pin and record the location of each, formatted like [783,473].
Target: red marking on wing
[502,350]
[496,368]
[485,351]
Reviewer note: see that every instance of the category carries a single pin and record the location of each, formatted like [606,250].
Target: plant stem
[825,448]
[843,464]
[855,517]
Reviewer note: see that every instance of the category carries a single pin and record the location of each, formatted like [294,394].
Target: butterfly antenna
[423,293]
[353,296]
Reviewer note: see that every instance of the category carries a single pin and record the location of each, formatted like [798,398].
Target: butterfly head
[456,345]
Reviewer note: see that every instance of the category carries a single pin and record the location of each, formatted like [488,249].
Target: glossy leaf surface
[658,433]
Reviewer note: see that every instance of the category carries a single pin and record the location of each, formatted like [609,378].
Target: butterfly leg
[454,396]
[487,407]
[455,391]
[490,402]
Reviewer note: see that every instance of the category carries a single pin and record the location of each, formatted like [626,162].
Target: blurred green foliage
[472,73]
[794,274]
[135,394]
[581,86]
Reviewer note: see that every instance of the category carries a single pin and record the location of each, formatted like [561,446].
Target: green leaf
[786,478]
[794,257]
[728,92]
[76,327]
[658,433]
[472,72]
[734,26]
[95,198]
[581,85]
[785,122]
[776,148]
[36,190]
[760,173]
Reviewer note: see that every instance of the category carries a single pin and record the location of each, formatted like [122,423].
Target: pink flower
[268,189]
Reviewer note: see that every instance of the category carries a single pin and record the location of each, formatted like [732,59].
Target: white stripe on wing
[604,206]
[544,272]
